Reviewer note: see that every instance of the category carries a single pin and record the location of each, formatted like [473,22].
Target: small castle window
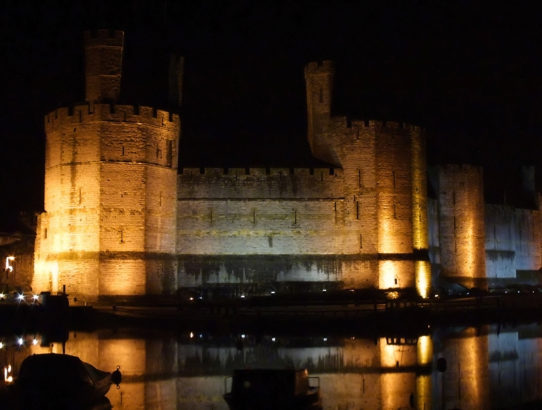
[45,233]
[169,153]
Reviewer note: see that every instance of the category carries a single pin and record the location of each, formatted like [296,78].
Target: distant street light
[9,266]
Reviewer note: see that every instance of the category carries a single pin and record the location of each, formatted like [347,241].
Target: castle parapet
[236,183]
[344,122]
[113,113]
[320,67]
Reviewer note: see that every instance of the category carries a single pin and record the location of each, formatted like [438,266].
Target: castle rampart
[261,183]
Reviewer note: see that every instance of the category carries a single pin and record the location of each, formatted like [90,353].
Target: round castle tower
[384,185]
[110,189]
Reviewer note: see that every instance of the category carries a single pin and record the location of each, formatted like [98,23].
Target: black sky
[469,73]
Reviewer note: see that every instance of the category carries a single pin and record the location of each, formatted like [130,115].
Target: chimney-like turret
[176,72]
[103,65]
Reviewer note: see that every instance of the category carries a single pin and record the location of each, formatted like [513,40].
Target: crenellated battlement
[320,67]
[317,173]
[348,123]
[104,37]
[260,182]
[111,112]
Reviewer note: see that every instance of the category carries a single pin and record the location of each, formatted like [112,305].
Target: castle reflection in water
[488,366]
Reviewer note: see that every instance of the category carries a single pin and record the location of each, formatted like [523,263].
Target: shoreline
[400,315]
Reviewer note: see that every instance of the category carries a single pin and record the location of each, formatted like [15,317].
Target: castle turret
[103,65]
[319,83]
[110,190]
[384,186]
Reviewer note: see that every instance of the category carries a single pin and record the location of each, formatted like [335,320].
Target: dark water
[490,366]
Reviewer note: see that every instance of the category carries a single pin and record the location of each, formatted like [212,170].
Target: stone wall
[461,224]
[512,241]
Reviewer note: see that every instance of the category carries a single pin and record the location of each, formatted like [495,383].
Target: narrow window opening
[169,153]
[335,211]
[123,150]
[357,209]
[295,216]
[360,241]
[160,198]
[121,236]
[45,233]
[270,241]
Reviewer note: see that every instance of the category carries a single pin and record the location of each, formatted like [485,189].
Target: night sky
[470,74]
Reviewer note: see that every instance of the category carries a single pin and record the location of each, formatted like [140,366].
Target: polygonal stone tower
[110,189]
[384,186]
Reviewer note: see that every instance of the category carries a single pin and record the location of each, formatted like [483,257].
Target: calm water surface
[492,366]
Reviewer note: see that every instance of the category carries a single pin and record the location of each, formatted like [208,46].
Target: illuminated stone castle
[122,219]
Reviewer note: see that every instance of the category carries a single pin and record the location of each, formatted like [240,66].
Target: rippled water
[491,366]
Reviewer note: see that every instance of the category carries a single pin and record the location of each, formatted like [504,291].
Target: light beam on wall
[423,278]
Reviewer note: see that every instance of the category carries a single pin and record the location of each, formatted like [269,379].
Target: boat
[63,381]
[272,389]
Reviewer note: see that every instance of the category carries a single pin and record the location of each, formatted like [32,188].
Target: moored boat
[60,380]
[273,389]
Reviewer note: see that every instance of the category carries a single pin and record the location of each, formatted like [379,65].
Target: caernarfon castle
[122,219]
